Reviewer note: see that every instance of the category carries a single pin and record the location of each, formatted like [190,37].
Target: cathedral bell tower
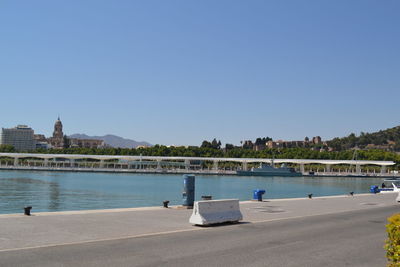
[58,133]
[57,141]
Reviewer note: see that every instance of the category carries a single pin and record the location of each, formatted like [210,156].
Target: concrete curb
[154,208]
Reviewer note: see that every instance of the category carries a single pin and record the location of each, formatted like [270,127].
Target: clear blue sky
[179,72]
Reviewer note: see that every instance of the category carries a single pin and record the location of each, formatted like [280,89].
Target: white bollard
[398,198]
[215,211]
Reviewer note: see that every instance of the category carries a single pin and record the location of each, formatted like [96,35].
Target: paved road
[343,239]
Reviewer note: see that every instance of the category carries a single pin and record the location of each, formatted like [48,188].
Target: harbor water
[64,191]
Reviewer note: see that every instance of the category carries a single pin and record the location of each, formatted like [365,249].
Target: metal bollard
[206,197]
[310,196]
[165,203]
[27,210]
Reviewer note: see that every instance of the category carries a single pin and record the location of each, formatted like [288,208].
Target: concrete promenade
[35,238]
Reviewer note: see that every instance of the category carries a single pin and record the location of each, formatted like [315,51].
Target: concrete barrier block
[215,211]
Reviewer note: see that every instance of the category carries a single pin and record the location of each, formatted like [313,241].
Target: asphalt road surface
[341,239]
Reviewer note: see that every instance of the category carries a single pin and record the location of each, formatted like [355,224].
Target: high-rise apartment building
[20,137]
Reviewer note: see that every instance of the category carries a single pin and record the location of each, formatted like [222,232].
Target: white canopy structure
[187,160]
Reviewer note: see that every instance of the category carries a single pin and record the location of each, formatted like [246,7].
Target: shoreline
[163,171]
[173,207]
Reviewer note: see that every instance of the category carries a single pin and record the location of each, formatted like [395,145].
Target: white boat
[395,185]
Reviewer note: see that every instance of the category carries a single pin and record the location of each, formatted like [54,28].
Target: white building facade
[20,137]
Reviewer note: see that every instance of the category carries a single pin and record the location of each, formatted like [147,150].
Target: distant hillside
[113,140]
[388,139]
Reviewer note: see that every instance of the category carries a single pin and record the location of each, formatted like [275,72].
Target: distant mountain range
[113,140]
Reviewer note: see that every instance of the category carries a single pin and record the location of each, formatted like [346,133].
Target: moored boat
[395,185]
[270,170]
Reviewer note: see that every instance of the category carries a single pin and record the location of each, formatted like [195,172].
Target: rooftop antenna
[355,156]
[273,158]
[355,153]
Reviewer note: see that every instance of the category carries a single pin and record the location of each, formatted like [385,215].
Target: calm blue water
[60,191]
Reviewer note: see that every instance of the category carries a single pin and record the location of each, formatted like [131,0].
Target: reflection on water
[54,195]
[58,191]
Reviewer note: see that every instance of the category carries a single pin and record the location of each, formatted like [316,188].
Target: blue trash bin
[257,194]
[374,189]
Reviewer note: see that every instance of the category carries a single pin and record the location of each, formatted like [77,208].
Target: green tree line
[389,137]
